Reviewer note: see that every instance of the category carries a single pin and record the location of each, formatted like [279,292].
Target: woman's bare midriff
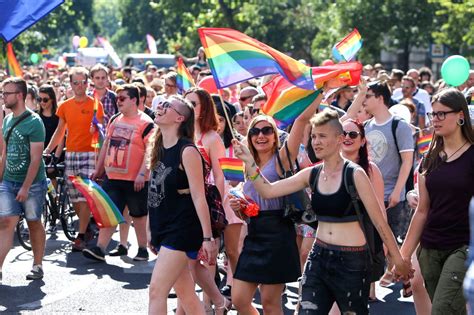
[342,234]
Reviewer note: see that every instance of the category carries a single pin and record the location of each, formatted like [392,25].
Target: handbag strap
[26,115]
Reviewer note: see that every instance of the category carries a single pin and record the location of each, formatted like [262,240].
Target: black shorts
[123,194]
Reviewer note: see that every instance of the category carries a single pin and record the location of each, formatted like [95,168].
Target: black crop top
[336,207]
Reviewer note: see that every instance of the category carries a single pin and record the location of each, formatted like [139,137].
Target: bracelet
[255,176]
[207,239]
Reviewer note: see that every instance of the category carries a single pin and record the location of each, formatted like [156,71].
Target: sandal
[224,308]
[387,279]
[407,291]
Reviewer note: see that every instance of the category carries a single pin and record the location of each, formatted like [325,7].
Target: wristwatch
[208,239]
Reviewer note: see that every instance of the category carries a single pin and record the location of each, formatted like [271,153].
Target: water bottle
[51,189]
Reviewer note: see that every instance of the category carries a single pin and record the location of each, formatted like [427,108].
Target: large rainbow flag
[184,79]
[285,102]
[14,68]
[232,168]
[234,57]
[105,212]
[348,47]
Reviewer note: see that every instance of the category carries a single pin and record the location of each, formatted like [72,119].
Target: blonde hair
[252,124]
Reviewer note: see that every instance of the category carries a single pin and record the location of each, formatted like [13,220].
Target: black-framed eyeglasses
[167,105]
[43,99]
[367,96]
[440,115]
[266,131]
[170,85]
[3,94]
[352,134]
[77,82]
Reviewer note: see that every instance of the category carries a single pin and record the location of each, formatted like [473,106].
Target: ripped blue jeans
[332,275]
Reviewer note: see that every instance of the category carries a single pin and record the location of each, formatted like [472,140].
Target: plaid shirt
[109,104]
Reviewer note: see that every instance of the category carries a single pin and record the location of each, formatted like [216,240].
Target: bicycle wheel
[23,234]
[69,220]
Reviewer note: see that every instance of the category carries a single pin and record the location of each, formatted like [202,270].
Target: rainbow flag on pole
[99,134]
[285,102]
[184,80]
[232,168]
[105,212]
[348,47]
[423,143]
[14,68]
[234,57]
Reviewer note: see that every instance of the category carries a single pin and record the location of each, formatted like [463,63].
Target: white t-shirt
[420,95]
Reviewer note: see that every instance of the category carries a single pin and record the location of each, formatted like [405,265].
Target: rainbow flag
[346,73]
[14,68]
[99,134]
[233,169]
[423,143]
[234,57]
[285,102]
[348,47]
[105,212]
[184,80]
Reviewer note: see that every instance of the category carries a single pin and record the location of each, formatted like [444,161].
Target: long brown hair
[455,100]
[208,119]
[254,121]
[185,130]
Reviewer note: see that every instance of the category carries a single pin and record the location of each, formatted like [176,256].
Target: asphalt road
[75,285]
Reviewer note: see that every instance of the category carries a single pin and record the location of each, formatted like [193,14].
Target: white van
[139,61]
[89,56]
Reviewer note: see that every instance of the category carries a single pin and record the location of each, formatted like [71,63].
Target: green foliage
[303,28]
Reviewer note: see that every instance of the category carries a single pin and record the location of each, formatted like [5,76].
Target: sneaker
[94,253]
[120,250]
[142,254]
[78,245]
[52,229]
[226,291]
[36,273]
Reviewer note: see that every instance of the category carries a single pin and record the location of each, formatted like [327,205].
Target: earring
[460,121]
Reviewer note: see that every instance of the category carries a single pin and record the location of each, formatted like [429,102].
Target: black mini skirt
[270,254]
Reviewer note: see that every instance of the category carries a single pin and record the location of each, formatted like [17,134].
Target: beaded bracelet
[255,176]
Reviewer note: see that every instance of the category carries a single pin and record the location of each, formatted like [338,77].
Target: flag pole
[219,91]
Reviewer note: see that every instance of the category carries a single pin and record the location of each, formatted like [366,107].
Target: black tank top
[336,207]
[173,218]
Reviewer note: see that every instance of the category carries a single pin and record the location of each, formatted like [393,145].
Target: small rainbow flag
[99,134]
[14,68]
[348,47]
[285,102]
[235,57]
[233,169]
[105,212]
[184,80]
[423,143]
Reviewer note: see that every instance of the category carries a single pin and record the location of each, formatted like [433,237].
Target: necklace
[325,175]
[445,156]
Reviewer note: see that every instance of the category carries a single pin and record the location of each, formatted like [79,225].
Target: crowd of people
[358,158]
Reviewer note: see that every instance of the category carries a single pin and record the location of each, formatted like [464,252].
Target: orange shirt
[78,117]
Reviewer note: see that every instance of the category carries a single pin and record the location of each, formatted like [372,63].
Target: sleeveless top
[335,207]
[270,173]
[173,218]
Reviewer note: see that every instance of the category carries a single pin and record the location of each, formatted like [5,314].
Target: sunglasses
[194,103]
[244,98]
[254,111]
[170,85]
[266,131]
[167,105]
[352,134]
[44,99]
[122,98]
[79,82]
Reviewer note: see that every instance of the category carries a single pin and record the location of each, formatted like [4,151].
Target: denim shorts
[31,208]
[332,275]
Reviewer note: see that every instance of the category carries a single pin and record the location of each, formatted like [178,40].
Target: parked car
[138,61]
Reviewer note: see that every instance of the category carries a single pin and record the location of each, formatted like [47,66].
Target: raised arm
[266,189]
[357,103]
